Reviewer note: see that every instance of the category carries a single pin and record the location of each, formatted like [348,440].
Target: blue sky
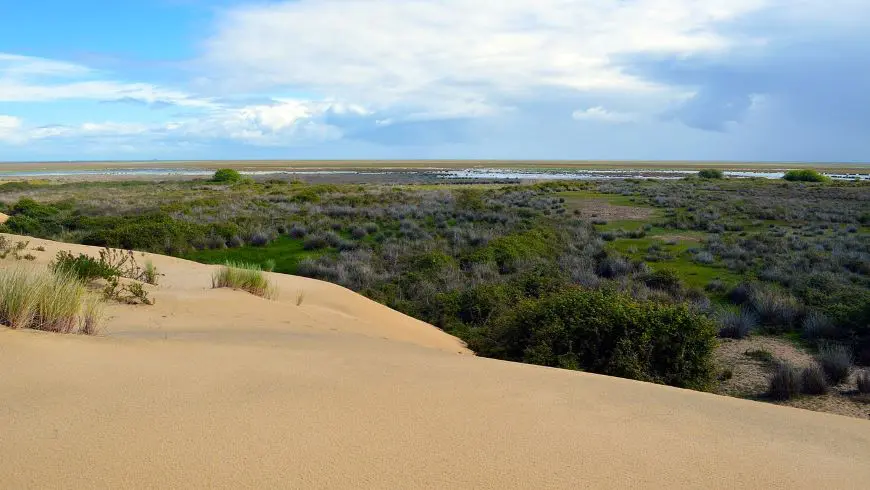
[765,80]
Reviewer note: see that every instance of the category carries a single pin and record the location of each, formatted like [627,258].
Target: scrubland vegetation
[633,278]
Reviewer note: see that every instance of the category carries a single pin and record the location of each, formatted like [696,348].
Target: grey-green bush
[785,382]
[836,360]
[813,381]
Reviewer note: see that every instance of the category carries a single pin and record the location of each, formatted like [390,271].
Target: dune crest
[221,389]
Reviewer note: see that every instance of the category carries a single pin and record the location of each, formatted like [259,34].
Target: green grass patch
[285,252]
[692,273]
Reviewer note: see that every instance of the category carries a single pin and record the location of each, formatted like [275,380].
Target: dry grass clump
[248,277]
[785,383]
[814,381]
[44,300]
[863,380]
[836,360]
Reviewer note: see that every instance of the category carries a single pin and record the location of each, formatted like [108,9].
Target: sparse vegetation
[112,266]
[248,277]
[760,355]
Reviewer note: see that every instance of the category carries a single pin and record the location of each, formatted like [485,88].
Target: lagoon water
[469,173]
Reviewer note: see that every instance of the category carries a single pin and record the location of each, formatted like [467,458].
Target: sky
[755,80]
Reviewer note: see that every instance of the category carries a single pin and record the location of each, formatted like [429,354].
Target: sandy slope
[3,218]
[221,389]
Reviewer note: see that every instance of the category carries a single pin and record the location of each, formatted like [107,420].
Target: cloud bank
[704,79]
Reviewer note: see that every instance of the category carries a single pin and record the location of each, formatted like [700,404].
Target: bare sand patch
[3,218]
[222,389]
[750,375]
[601,209]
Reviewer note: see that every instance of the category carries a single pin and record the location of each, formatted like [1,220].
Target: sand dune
[220,389]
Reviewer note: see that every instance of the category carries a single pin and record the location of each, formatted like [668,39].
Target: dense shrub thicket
[604,332]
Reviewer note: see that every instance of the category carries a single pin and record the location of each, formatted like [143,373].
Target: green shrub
[431,261]
[805,175]
[507,250]
[41,299]
[227,176]
[84,267]
[153,232]
[711,173]
[664,279]
[609,333]
[248,277]
[29,207]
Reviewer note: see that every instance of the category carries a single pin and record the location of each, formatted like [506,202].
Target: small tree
[227,175]
[711,173]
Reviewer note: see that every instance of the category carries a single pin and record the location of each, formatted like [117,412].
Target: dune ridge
[221,389]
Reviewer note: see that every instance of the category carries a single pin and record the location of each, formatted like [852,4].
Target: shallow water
[471,173]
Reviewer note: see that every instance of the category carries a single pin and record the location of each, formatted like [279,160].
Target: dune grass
[248,277]
[44,300]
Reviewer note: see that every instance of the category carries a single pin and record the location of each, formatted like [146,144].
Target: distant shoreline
[425,164]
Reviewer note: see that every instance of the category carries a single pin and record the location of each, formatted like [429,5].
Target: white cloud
[599,113]
[13,65]
[10,128]
[455,56]
[286,123]
[29,79]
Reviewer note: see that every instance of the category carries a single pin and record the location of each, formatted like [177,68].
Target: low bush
[42,299]
[813,381]
[711,173]
[817,325]
[84,267]
[785,383]
[737,324]
[836,360]
[227,176]
[805,175]
[863,380]
[248,277]
[664,279]
[778,311]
